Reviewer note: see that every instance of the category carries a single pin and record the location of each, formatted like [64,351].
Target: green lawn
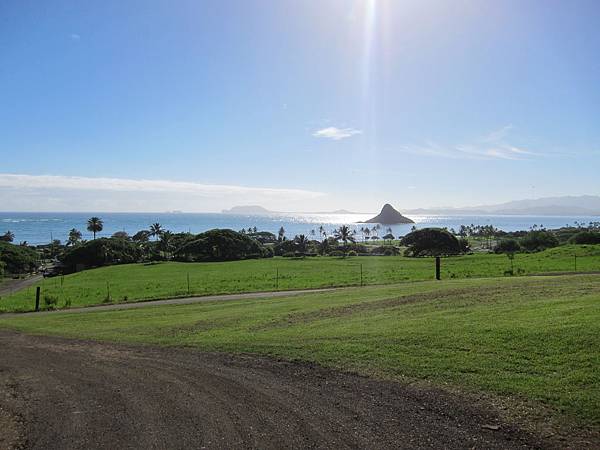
[154,281]
[536,338]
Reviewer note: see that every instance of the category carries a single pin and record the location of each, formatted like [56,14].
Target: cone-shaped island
[389,216]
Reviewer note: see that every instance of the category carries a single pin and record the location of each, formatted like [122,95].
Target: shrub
[352,253]
[101,252]
[50,301]
[284,247]
[586,237]
[387,250]
[508,246]
[17,258]
[539,240]
[336,253]
[222,245]
[431,242]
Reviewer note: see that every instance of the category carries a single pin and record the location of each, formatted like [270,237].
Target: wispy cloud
[61,193]
[494,145]
[335,133]
[74,36]
[18,181]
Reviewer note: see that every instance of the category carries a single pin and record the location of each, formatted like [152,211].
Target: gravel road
[67,394]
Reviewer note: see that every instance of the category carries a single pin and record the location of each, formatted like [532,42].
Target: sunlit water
[39,228]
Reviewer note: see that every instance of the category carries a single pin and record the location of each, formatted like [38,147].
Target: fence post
[361,275]
[575,262]
[437,267]
[188,282]
[37,298]
[277,278]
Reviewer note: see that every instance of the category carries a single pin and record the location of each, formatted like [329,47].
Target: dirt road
[9,285]
[60,394]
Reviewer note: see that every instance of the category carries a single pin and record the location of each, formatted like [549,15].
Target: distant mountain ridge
[583,205]
[255,210]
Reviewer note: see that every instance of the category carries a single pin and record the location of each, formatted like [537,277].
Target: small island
[389,216]
[254,210]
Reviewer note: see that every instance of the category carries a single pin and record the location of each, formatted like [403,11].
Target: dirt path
[9,285]
[62,394]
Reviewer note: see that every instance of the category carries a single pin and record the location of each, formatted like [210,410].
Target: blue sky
[304,105]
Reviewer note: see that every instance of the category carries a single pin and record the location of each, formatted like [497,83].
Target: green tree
[281,234]
[166,243]
[95,225]
[431,242]
[156,230]
[345,235]
[74,237]
[302,242]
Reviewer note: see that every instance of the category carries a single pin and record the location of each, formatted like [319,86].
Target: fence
[167,280]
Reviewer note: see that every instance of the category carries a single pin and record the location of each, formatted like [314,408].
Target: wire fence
[170,280]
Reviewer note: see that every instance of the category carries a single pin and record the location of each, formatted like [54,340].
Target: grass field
[536,338]
[154,281]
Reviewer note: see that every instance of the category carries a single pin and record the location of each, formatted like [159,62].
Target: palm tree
[141,236]
[321,231]
[166,244]
[156,230]
[74,237]
[302,243]
[95,225]
[344,234]
[312,233]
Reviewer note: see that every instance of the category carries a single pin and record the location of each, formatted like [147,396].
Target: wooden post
[188,282]
[437,267]
[575,262]
[37,298]
[361,275]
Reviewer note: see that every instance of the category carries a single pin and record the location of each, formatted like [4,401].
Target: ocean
[40,228]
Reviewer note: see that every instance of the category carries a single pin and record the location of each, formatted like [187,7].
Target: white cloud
[335,133]
[492,146]
[75,36]
[88,193]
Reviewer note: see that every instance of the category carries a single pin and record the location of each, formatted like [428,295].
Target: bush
[508,246]
[17,258]
[50,301]
[539,240]
[336,253]
[222,245]
[284,247]
[431,242]
[586,237]
[352,253]
[386,250]
[101,252]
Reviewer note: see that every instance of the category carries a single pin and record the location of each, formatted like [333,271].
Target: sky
[296,105]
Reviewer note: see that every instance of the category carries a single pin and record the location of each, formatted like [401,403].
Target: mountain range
[583,205]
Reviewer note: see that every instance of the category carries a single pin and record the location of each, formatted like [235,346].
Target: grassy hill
[533,341]
[132,282]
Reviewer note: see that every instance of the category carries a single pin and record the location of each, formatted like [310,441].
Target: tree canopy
[431,242]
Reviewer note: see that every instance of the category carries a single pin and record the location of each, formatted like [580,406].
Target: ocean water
[40,228]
